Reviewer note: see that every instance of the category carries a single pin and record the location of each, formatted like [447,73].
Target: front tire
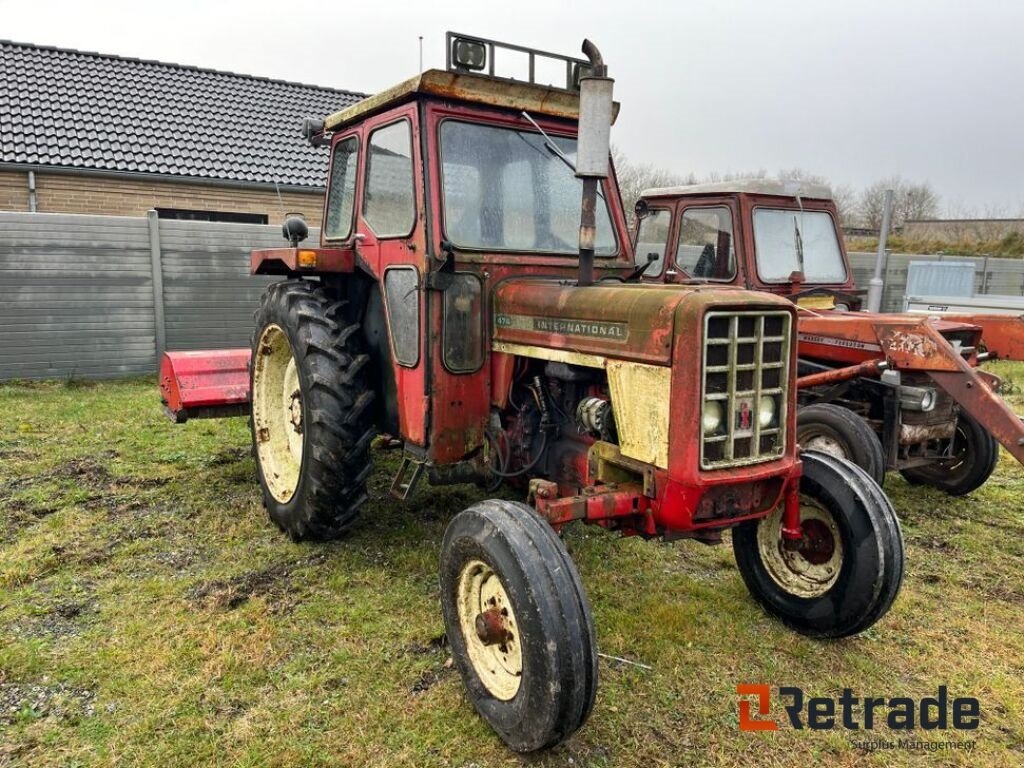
[311,411]
[848,569]
[973,462]
[832,429]
[519,624]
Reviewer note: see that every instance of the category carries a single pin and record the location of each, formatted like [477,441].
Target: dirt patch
[230,456]
[26,701]
[432,677]
[272,583]
[66,619]
[433,645]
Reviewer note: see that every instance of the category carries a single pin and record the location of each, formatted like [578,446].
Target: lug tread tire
[551,610]
[984,450]
[860,442]
[338,426]
[864,592]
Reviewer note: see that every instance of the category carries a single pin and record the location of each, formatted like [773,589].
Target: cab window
[389,204]
[342,193]
[705,249]
[509,190]
[788,241]
[651,239]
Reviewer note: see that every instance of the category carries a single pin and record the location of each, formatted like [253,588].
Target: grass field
[150,614]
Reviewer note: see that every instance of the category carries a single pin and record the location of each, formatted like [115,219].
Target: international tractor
[887,391]
[474,294]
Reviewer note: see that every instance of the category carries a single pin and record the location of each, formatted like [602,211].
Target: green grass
[150,614]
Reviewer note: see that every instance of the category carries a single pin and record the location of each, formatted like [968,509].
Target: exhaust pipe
[592,147]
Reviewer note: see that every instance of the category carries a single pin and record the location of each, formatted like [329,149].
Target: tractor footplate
[407,477]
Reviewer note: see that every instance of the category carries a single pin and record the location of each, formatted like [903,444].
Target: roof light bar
[468,53]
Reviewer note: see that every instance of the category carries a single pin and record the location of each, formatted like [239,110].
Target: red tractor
[889,392]
[449,304]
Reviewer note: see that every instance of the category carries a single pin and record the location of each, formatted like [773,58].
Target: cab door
[391,247]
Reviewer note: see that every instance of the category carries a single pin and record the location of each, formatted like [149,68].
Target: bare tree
[910,201]
[634,178]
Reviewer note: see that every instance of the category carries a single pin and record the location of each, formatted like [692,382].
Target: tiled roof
[93,111]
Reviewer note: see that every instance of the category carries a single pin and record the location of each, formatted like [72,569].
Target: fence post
[156,263]
[984,275]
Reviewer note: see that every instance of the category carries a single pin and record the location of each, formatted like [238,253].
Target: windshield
[778,236]
[505,191]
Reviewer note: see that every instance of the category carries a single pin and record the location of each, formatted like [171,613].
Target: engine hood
[615,320]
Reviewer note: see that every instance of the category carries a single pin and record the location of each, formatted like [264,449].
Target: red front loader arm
[1002,335]
[918,346]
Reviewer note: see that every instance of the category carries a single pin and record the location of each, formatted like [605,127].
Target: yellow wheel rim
[498,663]
[802,572]
[277,413]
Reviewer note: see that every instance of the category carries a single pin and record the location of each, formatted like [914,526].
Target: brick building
[93,133]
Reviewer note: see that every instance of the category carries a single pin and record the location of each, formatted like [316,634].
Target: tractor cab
[888,391]
[767,235]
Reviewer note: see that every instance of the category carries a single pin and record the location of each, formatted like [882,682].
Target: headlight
[712,416]
[766,411]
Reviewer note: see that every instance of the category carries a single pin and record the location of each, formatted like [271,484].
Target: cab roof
[475,89]
[777,187]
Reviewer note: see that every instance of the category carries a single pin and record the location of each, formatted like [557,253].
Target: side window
[652,237]
[342,193]
[705,249]
[389,204]
[462,331]
[402,296]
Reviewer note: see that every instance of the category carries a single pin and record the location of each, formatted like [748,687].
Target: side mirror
[641,209]
[294,230]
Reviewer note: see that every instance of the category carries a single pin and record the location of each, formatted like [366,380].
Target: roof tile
[119,114]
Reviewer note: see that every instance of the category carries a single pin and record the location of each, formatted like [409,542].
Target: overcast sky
[929,89]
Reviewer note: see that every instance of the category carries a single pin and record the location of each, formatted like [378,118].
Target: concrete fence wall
[100,296]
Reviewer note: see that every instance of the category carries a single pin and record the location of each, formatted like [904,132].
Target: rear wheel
[519,624]
[311,416]
[840,432]
[847,570]
[975,456]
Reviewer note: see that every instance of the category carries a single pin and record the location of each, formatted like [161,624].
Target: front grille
[746,358]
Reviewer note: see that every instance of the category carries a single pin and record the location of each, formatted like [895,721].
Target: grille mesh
[746,357]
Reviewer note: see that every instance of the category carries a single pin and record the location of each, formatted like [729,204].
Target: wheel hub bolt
[490,627]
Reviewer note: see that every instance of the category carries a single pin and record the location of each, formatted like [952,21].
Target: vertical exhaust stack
[592,150]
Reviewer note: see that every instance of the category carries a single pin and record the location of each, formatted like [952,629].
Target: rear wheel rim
[277,413]
[498,665]
[810,570]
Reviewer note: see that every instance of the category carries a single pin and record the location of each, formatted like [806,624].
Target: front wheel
[519,624]
[846,571]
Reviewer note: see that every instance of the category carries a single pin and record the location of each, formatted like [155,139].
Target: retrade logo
[898,713]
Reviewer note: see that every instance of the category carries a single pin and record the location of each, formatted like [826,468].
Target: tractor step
[407,477]
[205,384]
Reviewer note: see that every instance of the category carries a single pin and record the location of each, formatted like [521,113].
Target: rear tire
[840,432]
[976,457]
[536,687]
[312,419]
[849,569]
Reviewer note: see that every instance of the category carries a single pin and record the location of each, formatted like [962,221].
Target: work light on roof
[469,55]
